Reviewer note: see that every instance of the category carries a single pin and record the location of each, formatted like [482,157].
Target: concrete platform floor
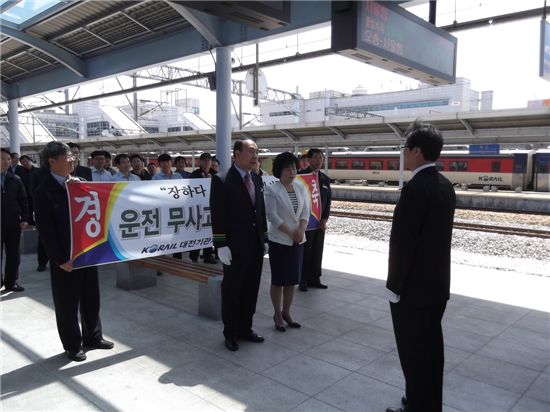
[343,358]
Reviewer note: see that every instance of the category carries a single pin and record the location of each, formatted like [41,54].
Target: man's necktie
[250,187]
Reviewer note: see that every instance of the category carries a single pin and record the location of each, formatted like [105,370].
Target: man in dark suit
[25,173]
[14,166]
[71,289]
[239,228]
[419,269]
[36,178]
[138,167]
[315,239]
[203,172]
[15,216]
[79,170]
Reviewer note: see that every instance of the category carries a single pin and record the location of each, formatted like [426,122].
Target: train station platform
[166,357]
[536,202]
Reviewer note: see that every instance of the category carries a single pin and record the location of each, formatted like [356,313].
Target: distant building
[330,105]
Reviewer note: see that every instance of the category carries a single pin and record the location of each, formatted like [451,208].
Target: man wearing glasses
[71,288]
[419,269]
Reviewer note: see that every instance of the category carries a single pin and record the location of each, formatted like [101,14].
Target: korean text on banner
[113,222]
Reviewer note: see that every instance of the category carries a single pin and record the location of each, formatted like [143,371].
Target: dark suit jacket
[15,208]
[53,219]
[235,221]
[83,172]
[326,193]
[420,242]
[26,177]
[197,174]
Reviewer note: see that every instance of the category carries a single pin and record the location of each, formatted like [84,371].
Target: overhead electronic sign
[544,69]
[386,35]
[484,149]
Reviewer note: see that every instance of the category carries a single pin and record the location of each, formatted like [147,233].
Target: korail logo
[150,249]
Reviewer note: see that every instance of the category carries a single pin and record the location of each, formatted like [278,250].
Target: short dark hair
[283,160]
[52,151]
[215,160]
[149,164]
[73,145]
[121,156]
[426,137]
[23,157]
[206,156]
[106,154]
[96,153]
[311,152]
[4,150]
[238,146]
[135,155]
[178,158]
[164,157]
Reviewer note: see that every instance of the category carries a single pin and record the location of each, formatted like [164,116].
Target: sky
[500,57]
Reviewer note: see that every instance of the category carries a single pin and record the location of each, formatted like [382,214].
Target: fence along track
[517,231]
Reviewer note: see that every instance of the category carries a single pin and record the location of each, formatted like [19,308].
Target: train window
[341,164]
[440,165]
[495,166]
[458,166]
[393,164]
[542,168]
[357,164]
[375,165]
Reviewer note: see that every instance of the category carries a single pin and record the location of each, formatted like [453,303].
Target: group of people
[248,220]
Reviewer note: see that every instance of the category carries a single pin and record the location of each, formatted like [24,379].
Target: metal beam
[467,126]
[67,59]
[8,5]
[395,129]
[168,47]
[337,132]
[6,90]
[289,134]
[206,25]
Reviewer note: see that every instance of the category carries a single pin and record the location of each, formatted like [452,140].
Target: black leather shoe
[76,355]
[210,259]
[318,286]
[291,323]
[232,345]
[302,287]
[396,409]
[15,288]
[254,337]
[100,344]
[41,268]
[404,401]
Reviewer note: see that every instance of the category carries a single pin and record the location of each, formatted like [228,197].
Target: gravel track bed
[487,244]
[461,215]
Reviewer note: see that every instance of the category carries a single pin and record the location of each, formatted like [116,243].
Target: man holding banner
[313,248]
[239,230]
[70,288]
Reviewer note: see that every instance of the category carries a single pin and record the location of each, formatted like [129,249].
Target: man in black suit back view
[239,228]
[419,269]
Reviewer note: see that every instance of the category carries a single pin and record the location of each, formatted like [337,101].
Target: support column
[13,119]
[223,107]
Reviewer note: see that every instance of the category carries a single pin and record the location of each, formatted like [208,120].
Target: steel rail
[516,231]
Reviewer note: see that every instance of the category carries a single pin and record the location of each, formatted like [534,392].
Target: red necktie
[250,187]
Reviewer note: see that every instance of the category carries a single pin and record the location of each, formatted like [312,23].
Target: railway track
[517,231]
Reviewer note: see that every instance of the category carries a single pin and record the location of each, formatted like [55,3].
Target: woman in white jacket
[287,209]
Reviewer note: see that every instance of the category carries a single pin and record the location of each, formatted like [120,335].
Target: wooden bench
[136,274]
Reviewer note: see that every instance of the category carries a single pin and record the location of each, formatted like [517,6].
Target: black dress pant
[194,254]
[11,253]
[240,285]
[313,257]
[71,291]
[41,252]
[419,339]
